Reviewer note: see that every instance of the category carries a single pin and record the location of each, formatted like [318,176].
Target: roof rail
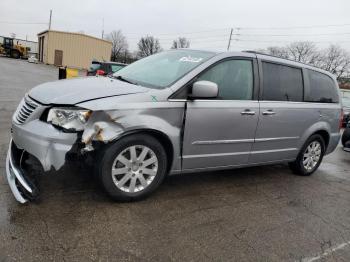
[261,53]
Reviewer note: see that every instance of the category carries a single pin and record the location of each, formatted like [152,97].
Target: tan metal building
[74,50]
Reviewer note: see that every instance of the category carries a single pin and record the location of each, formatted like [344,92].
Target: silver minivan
[174,112]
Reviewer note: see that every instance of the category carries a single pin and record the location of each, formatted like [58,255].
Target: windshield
[346,98]
[163,69]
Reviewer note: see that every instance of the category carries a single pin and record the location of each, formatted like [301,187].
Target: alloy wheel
[312,155]
[134,168]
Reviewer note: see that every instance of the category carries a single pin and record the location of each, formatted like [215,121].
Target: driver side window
[233,77]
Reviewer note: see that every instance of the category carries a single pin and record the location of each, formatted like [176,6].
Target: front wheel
[309,157]
[133,167]
[15,54]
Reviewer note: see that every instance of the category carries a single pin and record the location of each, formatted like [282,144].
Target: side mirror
[204,89]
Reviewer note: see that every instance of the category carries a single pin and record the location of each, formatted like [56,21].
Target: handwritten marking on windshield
[190,59]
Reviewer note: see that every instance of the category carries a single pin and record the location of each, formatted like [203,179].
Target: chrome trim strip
[177,100]
[214,142]
[276,138]
[238,141]
[217,155]
[240,153]
[11,174]
[274,151]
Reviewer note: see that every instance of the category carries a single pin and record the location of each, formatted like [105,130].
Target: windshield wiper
[125,80]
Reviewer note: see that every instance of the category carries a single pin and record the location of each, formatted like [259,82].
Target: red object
[100,72]
[341,119]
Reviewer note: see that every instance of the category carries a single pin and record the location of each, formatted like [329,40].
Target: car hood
[73,91]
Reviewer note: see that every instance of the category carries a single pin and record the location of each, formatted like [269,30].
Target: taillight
[341,119]
[100,72]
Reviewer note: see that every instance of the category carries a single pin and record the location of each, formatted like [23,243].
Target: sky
[207,24]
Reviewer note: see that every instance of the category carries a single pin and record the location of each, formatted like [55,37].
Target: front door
[220,132]
[58,57]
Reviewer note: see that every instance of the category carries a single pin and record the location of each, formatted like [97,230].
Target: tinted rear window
[282,83]
[322,88]
[94,66]
[116,68]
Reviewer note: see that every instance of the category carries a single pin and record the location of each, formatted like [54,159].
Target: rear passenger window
[282,83]
[233,77]
[322,88]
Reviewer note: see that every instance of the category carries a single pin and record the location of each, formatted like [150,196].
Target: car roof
[267,57]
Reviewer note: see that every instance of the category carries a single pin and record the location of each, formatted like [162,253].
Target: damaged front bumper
[39,139]
[16,178]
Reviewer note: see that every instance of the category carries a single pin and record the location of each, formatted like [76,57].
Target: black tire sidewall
[112,151]
[346,136]
[15,54]
[299,162]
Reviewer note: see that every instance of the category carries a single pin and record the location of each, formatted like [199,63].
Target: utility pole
[50,20]
[229,41]
[103,27]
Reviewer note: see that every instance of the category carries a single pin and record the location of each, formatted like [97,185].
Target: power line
[323,34]
[23,23]
[240,28]
[284,41]
[292,27]
[175,37]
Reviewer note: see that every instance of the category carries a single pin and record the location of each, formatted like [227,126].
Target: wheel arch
[160,136]
[321,128]
[325,135]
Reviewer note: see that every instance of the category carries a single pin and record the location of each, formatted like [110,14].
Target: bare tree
[181,42]
[148,45]
[304,52]
[119,45]
[277,51]
[336,60]
[333,59]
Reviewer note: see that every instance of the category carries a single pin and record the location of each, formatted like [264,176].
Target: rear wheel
[133,167]
[310,156]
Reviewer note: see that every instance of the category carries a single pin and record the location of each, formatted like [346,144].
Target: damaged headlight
[71,119]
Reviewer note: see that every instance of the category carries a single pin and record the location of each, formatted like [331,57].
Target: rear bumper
[333,142]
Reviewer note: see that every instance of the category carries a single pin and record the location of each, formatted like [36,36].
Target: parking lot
[251,214]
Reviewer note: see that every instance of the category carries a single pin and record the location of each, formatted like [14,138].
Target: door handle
[248,112]
[268,113]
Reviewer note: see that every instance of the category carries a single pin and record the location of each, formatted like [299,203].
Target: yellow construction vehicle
[8,48]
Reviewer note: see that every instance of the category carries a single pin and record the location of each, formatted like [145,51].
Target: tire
[15,54]
[346,136]
[298,166]
[127,183]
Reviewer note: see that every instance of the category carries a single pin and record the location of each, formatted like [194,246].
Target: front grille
[25,109]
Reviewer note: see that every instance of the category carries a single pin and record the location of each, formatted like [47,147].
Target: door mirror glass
[204,89]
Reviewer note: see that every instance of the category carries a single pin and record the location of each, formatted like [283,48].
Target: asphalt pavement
[251,214]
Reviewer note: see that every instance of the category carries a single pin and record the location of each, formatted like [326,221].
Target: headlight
[72,119]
